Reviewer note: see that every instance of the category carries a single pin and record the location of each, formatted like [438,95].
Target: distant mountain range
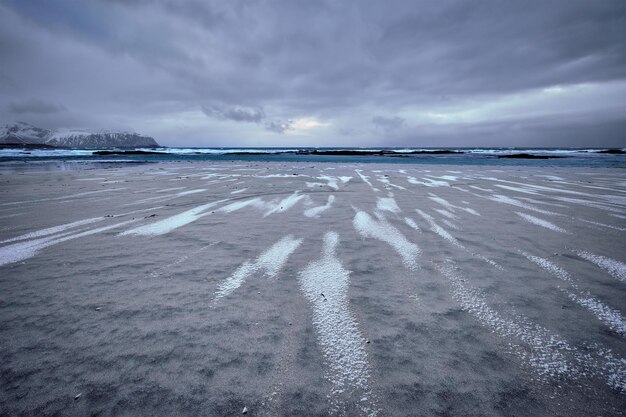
[25,134]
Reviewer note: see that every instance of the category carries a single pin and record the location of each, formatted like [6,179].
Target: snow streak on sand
[54,229]
[239,191]
[451,206]
[238,205]
[269,262]
[171,223]
[409,221]
[24,250]
[513,202]
[616,268]
[386,182]
[325,284]
[199,190]
[540,222]
[609,316]
[388,204]
[447,236]
[285,204]
[382,230]
[366,180]
[316,211]
[544,352]
[428,182]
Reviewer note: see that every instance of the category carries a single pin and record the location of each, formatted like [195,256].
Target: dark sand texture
[200,289]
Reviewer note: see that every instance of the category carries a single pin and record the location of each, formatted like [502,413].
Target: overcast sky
[320,73]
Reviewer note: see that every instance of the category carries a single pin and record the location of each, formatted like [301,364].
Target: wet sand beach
[198,289]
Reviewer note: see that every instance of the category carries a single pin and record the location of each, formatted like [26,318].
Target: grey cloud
[278,126]
[35,106]
[235,113]
[138,61]
[388,123]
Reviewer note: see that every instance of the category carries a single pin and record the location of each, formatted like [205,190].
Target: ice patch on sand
[171,223]
[617,269]
[316,211]
[387,204]
[540,222]
[382,230]
[269,263]
[54,229]
[325,284]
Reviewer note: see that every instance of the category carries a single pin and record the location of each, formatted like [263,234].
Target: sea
[17,159]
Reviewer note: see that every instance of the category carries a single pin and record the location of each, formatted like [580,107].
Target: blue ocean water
[80,159]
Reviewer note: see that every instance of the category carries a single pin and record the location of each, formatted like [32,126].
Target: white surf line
[447,236]
[316,211]
[17,252]
[540,222]
[513,202]
[411,223]
[608,226]
[285,204]
[611,317]
[52,230]
[239,191]
[366,180]
[269,263]
[451,206]
[380,229]
[617,269]
[169,224]
[547,352]
[65,197]
[387,204]
[198,190]
[325,284]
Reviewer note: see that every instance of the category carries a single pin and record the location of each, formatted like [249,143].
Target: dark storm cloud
[145,62]
[34,105]
[235,113]
[279,126]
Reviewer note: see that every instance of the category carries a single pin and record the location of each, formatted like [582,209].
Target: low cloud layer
[320,73]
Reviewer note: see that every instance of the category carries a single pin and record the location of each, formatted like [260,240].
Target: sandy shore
[313,289]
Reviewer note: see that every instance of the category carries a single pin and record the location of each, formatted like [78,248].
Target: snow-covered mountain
[23,133]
